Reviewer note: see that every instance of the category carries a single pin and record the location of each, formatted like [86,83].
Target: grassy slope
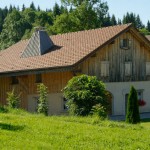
[26,131]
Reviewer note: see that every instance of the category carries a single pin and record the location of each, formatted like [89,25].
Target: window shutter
[128,66]
[105,68]
[147,68]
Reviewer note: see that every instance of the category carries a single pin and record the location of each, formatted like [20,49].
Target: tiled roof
[148,37]
[69,49]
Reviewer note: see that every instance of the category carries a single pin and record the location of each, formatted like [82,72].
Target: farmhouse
[118,55]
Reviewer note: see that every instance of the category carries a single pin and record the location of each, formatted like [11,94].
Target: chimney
[39,43]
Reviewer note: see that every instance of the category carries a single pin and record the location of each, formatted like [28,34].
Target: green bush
[42,101]
[13,100]
[3,109]
[99,110]
[83,92]
[132,115]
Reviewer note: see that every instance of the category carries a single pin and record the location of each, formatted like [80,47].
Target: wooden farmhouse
[118,55]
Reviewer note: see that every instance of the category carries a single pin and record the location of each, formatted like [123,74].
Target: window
[125,44]
[38,78]
[140,94]
[65,104]
[128,66]
[104,68]
[14,80]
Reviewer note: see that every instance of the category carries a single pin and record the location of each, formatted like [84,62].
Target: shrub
[132,115]
[42,101]
[13,100]
[83,92]
[99,110]
[3,109]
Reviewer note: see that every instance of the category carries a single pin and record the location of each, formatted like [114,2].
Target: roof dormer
[39,44]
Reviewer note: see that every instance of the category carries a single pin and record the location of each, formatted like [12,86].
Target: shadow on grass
[5,126]
[145,120]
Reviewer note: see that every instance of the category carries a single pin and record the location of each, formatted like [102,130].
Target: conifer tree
[132,115]
[148,25]
[32,6]
[23,7]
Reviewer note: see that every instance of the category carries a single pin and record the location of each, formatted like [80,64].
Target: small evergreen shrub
[13,100]
[132,115]
[42,101]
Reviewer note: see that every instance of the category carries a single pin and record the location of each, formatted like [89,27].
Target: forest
[72,15]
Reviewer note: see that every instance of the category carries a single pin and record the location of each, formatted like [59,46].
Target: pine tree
[132,115]
[56,10]
[38,8]
[113,20]
[32,6]
[148,25]
[10,9]
[23,7]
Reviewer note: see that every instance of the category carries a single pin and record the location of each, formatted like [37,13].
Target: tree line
[72,15]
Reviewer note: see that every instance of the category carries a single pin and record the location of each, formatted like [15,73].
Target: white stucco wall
[120,89]
[55,103]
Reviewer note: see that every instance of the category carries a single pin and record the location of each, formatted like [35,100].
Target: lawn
[21,130]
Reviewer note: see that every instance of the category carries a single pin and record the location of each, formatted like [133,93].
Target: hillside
[21,130]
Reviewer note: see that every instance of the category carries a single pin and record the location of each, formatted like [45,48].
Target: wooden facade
[114,64]
[111,63]
[27,85]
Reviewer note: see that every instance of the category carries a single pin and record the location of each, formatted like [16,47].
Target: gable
[121,64]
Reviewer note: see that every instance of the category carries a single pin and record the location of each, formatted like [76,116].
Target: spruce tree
[148,25]
[132,115]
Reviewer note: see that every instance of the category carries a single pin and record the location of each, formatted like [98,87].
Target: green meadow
[20,130]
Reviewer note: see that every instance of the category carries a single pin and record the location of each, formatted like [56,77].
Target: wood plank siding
[55,81]
[120,64]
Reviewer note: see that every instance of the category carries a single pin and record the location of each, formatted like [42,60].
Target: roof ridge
[128,24]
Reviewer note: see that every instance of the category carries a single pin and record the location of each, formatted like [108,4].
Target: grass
[21,130]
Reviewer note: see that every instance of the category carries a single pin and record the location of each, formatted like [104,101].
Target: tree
[23,7]
[38,9]
[132,115]
[113,20]
[32,6]
[148,26]
[91,12]
[43,18]
[83,92]
[139,23]
[134,19]
[107,21]
[56,10]
[42,101]
[13,29]
[10,9]
[64,23]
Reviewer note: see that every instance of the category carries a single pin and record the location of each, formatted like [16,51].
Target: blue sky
[117,7]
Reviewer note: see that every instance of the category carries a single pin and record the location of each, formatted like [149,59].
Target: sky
[116,7]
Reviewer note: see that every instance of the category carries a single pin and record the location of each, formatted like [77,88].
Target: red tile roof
[70,49]
[148,37]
